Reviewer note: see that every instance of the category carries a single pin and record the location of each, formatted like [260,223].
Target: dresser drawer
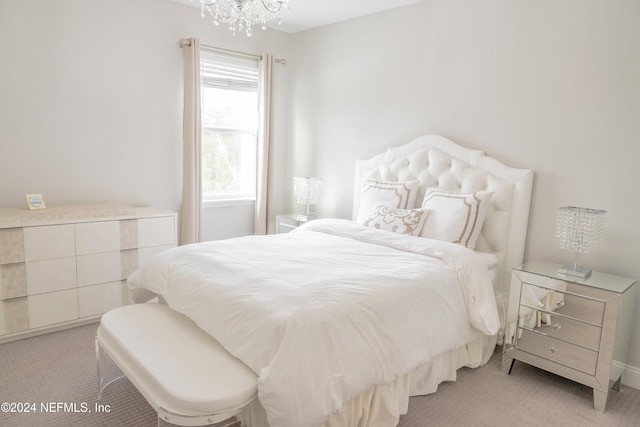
[558,351]
[570,330]
[49,242]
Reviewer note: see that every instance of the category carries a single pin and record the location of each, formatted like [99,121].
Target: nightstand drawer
[574,305]
[558,351]
[572,331]
[582,308]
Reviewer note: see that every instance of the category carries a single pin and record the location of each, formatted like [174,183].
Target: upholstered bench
[184,374]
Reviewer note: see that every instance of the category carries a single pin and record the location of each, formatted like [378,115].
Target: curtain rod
[186,42]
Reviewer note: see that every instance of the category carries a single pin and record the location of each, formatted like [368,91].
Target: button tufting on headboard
[439,162]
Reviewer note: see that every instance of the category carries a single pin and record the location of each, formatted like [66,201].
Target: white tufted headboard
[439,162]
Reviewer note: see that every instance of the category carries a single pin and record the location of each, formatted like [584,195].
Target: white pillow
[402,221]
[455,217]
[400,195]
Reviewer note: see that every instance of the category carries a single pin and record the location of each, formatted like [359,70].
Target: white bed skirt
[382,405]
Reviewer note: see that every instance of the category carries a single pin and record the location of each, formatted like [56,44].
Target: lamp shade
[307,190]
[579,230]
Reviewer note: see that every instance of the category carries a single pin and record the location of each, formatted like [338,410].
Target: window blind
[224,71]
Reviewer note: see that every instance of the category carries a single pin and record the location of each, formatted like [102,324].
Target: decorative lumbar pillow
[455,217]
[400,195]
[403,221]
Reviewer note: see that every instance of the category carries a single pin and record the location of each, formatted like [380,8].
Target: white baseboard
[630,376]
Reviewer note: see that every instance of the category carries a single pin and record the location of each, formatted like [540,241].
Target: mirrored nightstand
[583,335]
[287,222]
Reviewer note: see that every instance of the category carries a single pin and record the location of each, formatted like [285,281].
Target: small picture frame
[35,201]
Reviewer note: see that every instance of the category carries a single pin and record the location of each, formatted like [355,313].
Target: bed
[343,320]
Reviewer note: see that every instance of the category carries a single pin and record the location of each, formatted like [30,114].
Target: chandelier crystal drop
[242,15]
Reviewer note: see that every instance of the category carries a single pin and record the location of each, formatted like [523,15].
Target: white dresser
[66,265]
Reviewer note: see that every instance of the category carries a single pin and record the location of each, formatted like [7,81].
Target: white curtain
[191,167]
[263,177]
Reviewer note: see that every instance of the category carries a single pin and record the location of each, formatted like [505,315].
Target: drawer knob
[553,349]
[557,326]
[559,304]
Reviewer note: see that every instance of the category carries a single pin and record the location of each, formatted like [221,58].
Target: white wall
[91,99]
[90,102]
[549,85]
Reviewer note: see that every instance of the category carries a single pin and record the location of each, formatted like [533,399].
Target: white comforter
[328,311]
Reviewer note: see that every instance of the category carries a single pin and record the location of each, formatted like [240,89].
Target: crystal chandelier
[243,14]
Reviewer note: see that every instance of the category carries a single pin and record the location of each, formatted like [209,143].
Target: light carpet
[55,375]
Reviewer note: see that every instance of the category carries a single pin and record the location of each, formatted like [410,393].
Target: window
[229,99]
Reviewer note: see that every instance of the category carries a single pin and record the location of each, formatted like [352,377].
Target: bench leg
[100,366]
[101,356]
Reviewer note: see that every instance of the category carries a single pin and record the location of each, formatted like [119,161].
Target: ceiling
[307,14]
